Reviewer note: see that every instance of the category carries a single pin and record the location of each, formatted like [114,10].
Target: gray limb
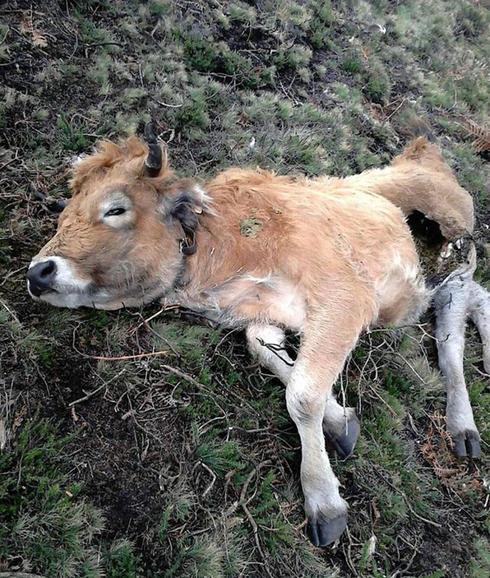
[456,299]
[340,424]
[479,311]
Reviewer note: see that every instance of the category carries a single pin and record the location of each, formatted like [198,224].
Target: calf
[328,258]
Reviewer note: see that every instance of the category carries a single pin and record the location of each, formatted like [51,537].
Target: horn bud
[153,162]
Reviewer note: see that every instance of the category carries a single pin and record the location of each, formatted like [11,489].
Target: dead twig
[213,479]
[147,320]
[95,391]
[117,358]
[126,357]
[166,103]
[87,396]
[184,375]
[19,575]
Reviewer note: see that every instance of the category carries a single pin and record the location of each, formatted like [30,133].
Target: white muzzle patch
[64,289]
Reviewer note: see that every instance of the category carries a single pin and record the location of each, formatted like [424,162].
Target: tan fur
[419,179]
[311,232]
[325,257]
[355,238]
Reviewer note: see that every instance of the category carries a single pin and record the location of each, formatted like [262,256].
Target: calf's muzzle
[41,277]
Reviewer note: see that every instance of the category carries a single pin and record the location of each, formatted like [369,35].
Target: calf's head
[123,237]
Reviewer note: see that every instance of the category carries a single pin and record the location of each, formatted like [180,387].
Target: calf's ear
[184,206]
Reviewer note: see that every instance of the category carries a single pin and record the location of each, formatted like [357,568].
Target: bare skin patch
[250,227]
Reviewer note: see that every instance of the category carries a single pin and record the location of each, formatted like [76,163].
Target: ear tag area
[185,212]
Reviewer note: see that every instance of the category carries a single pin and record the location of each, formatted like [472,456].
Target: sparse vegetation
[185,464]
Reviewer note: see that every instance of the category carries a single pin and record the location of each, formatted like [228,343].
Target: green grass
[148,477]
[72,135]
[44,520]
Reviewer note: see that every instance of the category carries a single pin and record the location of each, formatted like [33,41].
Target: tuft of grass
[198,558]
[72,136]
[100,71]
[471,22]
[378,84]
[159,8]
[320,25]
[92,33]
[194,114]
[121,560]
[480,565]
[220,457]
[206,55]
[352,64]
[242,13]
[293,58]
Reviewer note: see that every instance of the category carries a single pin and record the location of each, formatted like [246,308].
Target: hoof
[323,532]
[345,443]
[467,444]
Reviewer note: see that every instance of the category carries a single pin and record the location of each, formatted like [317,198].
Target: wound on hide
[250,227]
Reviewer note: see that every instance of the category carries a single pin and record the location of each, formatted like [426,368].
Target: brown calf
[325,257]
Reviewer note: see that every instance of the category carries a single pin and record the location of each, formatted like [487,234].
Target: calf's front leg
[329,336]
[325,509]
[340,424]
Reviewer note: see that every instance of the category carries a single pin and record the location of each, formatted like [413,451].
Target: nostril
[48,269]
[41,276]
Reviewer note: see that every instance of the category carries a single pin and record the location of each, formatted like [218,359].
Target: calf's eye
[115,211]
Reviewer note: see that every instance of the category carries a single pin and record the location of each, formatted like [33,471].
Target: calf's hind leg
[341,427]
[340,424]
[456,299]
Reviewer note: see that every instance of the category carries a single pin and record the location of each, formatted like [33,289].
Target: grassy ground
[185,464]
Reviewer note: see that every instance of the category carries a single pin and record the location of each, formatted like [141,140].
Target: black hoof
[323,532]
[344,444]
[467,444]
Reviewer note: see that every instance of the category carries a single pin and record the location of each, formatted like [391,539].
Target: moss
[190,342]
